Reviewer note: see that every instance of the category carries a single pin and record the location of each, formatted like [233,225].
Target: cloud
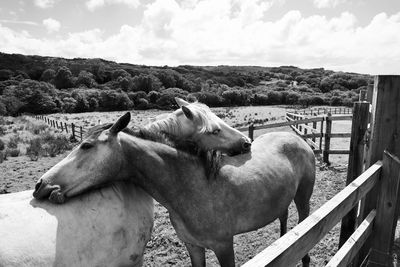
[24,22]
[51,25]
[231,32]
[328,3]
[94,4]
[44,3]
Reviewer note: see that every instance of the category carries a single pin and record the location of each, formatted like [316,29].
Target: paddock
[165,249]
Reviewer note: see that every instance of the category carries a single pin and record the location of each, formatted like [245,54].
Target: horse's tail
[306,186]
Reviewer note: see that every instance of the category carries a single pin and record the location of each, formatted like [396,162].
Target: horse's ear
[188,113]
[181,102]
[121,123]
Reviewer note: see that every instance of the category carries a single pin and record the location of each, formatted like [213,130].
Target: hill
[39,84]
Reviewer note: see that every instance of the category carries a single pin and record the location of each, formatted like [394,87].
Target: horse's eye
[86,145]
[216,131]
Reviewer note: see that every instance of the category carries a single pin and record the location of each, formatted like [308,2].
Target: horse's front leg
[197,255]
[225,254]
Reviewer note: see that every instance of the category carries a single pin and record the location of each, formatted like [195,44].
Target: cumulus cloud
[94,4]
[51,25]
[44,3]
[327,3]
[226,32]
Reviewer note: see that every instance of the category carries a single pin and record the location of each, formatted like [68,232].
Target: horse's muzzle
[45,190]
[246,145]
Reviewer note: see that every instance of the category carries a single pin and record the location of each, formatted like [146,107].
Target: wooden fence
[76,131]
[324,135]
[316,135]
[321,110]
[366,239]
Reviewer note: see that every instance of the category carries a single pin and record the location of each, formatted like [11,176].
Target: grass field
[164,248]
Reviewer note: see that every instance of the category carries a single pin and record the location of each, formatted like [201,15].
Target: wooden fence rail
[321,110]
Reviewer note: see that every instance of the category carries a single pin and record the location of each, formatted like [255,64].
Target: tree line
[50,85]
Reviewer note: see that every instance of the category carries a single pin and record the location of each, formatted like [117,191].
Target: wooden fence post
[314,125]
[66,127]
[385,129]
[386,213]
[356,162]
[251,132]
[73,130]
[370,91]
[80,128]
[322,134]
[327,135]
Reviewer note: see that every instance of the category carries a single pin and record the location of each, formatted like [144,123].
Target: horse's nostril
[246,145]
[38,184]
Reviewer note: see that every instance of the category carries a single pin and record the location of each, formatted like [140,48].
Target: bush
[52,145]
[13,142]
[36,128]
[13,152]
[34,150]
[142,104]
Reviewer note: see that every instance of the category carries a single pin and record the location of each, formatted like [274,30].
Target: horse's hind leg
[197,255]
[283,221]
[302,201]
[225,254]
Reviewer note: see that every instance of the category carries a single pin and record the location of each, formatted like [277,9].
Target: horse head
[196,122]
[96,161]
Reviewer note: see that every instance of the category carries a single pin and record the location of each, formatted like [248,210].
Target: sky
[343,35]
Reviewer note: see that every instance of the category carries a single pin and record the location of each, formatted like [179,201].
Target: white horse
[105,227]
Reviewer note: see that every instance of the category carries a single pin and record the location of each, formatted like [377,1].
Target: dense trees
[43,85]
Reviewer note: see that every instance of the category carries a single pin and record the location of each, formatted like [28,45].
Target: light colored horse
[104,227]
[249,191]
[195,122]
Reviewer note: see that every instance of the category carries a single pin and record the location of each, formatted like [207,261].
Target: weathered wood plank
[385,128]
[342,117]
[290,248]
[353,244]
[356,162]
[340,135]
[338,152]
[386,217]
[281,124]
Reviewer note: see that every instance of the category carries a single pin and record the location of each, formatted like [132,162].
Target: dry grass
[20,133]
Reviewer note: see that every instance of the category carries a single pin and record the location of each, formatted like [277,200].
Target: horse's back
[102,228]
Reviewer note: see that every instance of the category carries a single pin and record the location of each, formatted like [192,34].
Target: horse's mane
[171,125]
[210,159]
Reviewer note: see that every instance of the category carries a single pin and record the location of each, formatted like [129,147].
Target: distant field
[234,116]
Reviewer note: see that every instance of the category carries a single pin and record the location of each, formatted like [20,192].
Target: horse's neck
[159,169]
